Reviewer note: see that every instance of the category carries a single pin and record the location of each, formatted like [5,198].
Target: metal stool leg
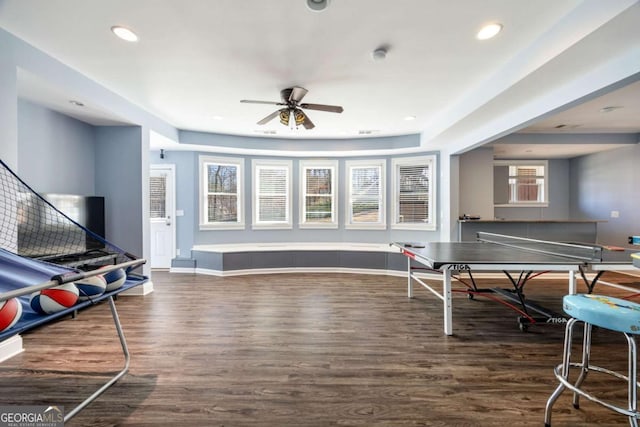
[566,359]
[584,366]
[633,385]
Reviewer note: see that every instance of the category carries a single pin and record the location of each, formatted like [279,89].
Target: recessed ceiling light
[409,118]
[609,109]
[380,54]
[124,33]
[317,5]
[489,31]
[217,117]
[76,103]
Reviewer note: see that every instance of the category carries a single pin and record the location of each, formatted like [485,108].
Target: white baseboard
[184,270]
[144,289]
[10,347]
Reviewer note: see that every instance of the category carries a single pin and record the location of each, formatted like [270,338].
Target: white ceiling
[196,60]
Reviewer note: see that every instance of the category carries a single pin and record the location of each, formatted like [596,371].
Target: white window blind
[521,183]
[272,197]
[526,183]
[414,186]
[272,194]
[157,193]
[413,200]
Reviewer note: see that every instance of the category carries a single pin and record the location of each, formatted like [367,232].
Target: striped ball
[55,299]
[90,287]
[10,312]
[115,279]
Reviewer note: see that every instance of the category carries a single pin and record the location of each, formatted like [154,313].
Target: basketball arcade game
[509,254]
[51,267]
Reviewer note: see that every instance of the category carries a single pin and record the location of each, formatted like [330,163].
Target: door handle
[168,221]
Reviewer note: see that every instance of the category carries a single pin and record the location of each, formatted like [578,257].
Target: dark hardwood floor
[308,350]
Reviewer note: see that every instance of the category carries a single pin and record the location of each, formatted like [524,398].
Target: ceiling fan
[291,98]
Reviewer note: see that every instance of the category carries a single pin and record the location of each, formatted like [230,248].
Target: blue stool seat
[606,312]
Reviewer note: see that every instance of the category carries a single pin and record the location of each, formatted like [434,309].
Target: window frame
[348,219]
[527,204]
[204,223]
[287,165]
[396,164]
[318,164]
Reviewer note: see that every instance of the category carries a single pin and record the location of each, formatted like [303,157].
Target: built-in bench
[261,258]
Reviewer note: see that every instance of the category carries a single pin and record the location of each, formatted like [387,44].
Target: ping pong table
[519,258]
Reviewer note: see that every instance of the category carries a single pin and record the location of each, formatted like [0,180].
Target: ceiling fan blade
[323,107]
[297,93]
[250,101]
[269,117]
[308,124]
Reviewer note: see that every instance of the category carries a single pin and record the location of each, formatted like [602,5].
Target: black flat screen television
[41,234]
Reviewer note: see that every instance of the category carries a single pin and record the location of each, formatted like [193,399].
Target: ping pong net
[576,251]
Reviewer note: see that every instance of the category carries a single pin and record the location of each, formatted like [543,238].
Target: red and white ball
[55,299]
[115,279]
[10,312]
[90,287]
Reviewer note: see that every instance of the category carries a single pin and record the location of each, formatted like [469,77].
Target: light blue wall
[605,182]
[300,145]
[186,166]
[559,190]
[120,169]
[55,152]
[189,234]
[562,189]
[77,158]
[119,179]
[587,187]
[8,110]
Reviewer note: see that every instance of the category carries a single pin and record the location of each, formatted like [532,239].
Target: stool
[608,313]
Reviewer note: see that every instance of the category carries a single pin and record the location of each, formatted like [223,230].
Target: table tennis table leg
[409,279]
[446,298]
[573,288]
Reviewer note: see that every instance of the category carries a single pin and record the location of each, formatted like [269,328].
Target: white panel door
[162,215]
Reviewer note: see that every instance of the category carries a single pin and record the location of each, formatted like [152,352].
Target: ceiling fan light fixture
[318,5]
[299,116]
[124,33]
[284,116]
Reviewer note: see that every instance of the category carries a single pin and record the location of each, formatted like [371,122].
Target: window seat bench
[292,257]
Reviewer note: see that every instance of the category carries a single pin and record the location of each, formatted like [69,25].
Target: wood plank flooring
[307,350]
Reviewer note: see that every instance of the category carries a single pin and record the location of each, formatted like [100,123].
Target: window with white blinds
[526,183]
[413,193]
[157,196]
[366,194]
[272,194]
[221,193]
[520,183]
[318,194]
